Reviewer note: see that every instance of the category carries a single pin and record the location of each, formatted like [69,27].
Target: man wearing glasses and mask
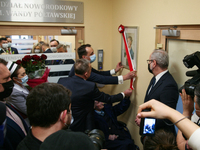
[162,86]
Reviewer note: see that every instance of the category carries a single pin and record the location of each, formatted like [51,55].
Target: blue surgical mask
[24,79]
[92,58]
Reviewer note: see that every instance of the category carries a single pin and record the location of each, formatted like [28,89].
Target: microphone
[2,113]
[192,73]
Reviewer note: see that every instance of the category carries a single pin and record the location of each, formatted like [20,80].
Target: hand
[112,137]
[129,75]
[118,67]
[188,103]
[128,92]
[137,121]
[158,110]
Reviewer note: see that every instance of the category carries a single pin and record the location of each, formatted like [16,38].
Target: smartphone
[147,125]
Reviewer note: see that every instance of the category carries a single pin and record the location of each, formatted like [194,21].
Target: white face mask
[37,51]
[53,49]
[9,44]
[5,45]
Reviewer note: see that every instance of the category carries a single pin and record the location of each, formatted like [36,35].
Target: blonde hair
[34,46]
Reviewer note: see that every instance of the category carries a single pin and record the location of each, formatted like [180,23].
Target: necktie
[152,84]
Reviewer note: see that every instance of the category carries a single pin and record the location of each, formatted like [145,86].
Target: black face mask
[8,88]
[149,68]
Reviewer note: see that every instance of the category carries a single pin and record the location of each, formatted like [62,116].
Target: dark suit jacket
[102,77]
[84,93]
[112,112]
[48,51]
[14,50]
[165,91]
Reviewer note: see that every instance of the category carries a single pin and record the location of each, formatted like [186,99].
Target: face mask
[5,45]
[53,49]
[8,87]
[92,58]
[9,44]
[149,68]
[37,51]
[24,79]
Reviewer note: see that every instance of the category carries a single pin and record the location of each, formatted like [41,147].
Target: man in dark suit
[53,44]
[84,93]
[46,48]
[12,50]
[102,77]
[117,135]
[162,87]
[3,45]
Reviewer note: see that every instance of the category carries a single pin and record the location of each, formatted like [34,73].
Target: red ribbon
[121,30]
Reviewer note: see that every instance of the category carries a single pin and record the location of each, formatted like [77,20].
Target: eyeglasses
[149,61]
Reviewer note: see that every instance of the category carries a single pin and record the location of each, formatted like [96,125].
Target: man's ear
[63,115]
[14,79]
[83,56]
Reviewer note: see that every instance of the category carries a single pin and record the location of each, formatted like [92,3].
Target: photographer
[188,107]
[48,109]
[162,111]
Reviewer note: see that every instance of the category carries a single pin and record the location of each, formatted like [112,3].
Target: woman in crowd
[37,48]
[17,99]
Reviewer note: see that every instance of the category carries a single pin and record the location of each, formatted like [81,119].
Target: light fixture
[69,31]
[169,32]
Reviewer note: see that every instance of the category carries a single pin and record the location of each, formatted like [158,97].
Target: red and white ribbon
[121,29]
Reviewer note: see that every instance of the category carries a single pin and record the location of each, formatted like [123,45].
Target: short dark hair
[82,51]
[81,66]
[3,39]
[162,140]
[2,61]
[54,40]
[45,44]
[45,102]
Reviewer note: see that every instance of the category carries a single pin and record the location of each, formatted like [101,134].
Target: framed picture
[131,34]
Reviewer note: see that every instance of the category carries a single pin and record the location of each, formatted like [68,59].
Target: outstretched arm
[161,111]
[188,107]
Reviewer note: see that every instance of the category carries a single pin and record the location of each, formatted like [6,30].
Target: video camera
[189,61]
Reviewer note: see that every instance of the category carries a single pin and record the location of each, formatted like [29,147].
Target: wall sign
[41,11]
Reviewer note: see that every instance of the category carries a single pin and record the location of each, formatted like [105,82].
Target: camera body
[189,61]
[147,125]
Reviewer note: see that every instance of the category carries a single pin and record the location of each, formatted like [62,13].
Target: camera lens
[98,138]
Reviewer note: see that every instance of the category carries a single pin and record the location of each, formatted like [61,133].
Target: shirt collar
[19,88]
[160,75]
[100,112]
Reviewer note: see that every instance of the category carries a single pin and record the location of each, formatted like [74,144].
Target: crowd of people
[60,115]
[54,46]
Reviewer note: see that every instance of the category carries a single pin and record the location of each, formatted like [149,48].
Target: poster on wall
[131,35]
